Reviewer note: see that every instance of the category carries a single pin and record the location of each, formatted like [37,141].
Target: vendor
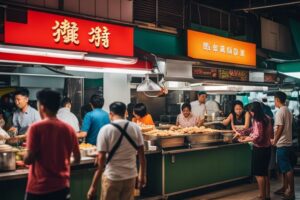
[198,106]
[141,116]
[25,115]
[238,117]
[186,118]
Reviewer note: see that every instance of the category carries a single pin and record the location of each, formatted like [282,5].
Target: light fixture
[42,52]
[148,85]
[106,70]
[234,88]
[292,74]
[117,60]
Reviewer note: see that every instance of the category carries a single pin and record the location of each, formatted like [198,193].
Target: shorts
[286,159]
[63,194]
[261,160]
[113,190]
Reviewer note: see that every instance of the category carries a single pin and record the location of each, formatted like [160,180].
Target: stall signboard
[204,73]
[215,48]
[62,32]
[233,75]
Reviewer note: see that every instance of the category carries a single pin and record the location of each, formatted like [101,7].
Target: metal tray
[204,138]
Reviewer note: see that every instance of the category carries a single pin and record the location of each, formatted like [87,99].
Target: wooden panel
[126,10]
[102,8]
[71,5]
[114,9]
[36,2]
[87,7]
[52,4]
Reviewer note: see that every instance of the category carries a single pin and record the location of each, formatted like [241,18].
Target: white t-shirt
[65,115]
[212,107]
[122,166]
[198,109]
[284,118]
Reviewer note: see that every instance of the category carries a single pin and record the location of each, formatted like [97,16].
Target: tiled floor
[245,192]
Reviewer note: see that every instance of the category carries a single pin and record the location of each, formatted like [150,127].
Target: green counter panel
[187,170]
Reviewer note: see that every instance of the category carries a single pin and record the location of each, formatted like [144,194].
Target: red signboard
[62,32]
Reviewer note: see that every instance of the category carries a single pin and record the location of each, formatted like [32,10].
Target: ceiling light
[42,52]
[106,70]
[117,60]
[148,85]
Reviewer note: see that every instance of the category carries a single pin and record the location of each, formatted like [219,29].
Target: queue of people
[119,140]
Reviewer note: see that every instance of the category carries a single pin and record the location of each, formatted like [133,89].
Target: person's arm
[227,121]
[85,126]
[15,124]
[278,134]
[279,123]
[32,146]
[177,120]
[142,175]
[247,120]
[99,171]
[75,150]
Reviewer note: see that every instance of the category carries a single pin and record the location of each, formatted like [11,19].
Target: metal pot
[7,158]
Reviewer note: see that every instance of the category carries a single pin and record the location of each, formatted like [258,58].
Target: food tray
[170,142]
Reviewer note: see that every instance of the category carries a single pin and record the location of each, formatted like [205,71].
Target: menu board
[205,73]
[233,75]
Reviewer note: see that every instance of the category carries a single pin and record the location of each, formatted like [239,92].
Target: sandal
[289,197]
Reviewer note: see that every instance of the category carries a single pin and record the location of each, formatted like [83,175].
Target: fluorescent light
[292,74]
[41,52]
[232,88]
[106,70]
[117,60]
[196,84]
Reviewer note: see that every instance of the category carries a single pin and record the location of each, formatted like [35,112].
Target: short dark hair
[140,109]
[22,91]
[201,92]
[65,101]
[281,96]
[186,105]
[97,101]
[50,99]
[118,108]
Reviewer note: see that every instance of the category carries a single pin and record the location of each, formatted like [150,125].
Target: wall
[116,87]
[121,10]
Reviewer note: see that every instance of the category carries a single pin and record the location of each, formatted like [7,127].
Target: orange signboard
[215,48]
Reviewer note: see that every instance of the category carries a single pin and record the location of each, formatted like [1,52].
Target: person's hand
[141,182]
[91,193]
[273,142]
[241,140]
[236,135]
[13,130]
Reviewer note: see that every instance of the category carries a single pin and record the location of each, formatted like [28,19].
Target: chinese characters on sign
[100,36]
[68,32]
[223,49]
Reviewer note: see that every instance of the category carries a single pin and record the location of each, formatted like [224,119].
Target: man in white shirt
[283,141]
[212,106]
[122,141]
[65,114]
[198,106]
